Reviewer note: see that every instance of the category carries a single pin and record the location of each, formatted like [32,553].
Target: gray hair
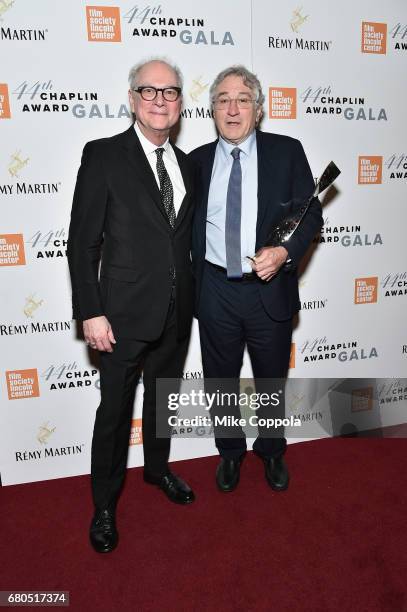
[249,79]
[136,69]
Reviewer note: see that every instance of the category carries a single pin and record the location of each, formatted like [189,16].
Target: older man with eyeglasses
[246,293]
[133,196]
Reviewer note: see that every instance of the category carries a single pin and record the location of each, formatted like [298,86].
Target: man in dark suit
[131,214]
[248,180]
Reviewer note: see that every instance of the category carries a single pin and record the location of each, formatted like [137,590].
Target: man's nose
[159,100]
[233,108]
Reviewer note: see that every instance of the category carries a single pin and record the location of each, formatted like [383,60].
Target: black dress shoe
[103,533]
[228,474]
[276,473]
[174,487]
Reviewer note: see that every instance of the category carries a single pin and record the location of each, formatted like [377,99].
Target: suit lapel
[267,179]
[142,168]
[185,172]
[206,175]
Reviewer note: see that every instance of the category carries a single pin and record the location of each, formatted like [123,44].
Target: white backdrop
[333,77]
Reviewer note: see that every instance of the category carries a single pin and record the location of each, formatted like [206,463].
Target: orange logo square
[366,290]
[291,363]
[12,250]
[136,432]
[374,37]
[103,23]
[4,102]
[282,103]
[362,399]
[370,170]
[22,384]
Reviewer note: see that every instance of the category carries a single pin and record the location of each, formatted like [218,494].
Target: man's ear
[259,115]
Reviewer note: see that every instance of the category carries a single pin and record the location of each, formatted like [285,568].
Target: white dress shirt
[170,162]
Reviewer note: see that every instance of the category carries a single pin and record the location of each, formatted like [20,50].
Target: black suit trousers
[119,375]
[231,316]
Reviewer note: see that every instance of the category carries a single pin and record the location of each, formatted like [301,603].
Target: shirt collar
[246,146]
[148,146]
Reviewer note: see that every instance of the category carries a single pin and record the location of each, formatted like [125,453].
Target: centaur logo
[297,19]
[44,433]
[16,164]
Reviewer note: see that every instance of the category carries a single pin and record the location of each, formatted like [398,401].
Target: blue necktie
[233,218]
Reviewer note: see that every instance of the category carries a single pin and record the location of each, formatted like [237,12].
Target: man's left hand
[268,261]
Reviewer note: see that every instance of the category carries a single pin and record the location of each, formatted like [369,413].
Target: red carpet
[336,540]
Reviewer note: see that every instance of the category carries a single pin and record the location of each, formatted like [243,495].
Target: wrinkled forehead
[232,85]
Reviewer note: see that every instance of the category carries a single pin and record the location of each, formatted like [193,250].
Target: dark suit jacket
[283,175]
[118,219]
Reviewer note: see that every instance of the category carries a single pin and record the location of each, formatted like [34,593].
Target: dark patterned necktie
[233,218]
[166,189]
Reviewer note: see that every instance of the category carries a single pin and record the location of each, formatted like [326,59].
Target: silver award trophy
[282,232]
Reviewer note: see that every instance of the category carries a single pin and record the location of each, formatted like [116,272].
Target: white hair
[136,69]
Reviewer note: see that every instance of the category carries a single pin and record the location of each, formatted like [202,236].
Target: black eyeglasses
[170,94]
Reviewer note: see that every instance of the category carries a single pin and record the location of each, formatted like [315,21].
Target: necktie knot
[235,153]
[159,152]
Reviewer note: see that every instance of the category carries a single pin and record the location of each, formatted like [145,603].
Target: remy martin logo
[297,19]
[197,88]
[31,306]
[4,7]
[16,164]
[195,92]
[44,433]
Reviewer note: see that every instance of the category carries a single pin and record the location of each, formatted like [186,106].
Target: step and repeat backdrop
[333,76]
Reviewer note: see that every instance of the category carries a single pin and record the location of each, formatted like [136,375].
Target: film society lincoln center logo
[12,250]
[282,102]
[374,37]
[22,384]
[4,102]
[103,23]
[370,169]
[136,432]
[366,290]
